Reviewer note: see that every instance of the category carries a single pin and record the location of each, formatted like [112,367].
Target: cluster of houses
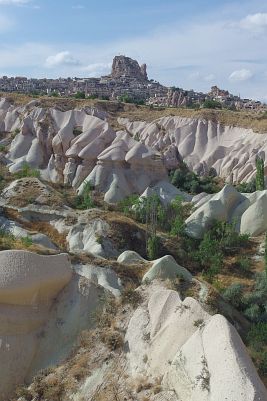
[177,97]
[127,80]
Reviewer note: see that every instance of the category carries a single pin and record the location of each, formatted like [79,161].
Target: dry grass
[38,227]
[245,119]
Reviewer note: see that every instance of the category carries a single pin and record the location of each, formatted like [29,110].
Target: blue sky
[190,44]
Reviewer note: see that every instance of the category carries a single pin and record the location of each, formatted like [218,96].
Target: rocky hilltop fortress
[132,251]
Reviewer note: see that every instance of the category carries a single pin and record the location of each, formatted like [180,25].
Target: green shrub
[253,313]
[27,171]
[79,95]
[263,363]
[257,336]
[128,99]
[260,184]
[227,236]
[77,131]
[244,264]
[2,148]
[209,255]
[84,201]
[27,241]
[188,181]
[247,187]
[153,246]
[134,206]
[212,104]
[233,294]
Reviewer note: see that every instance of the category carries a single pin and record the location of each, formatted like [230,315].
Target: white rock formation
[130,258]
[166,193]
[75,145]
[247,211]
[91,237]
[69,147]
[166,268]
[178,341]
[203,145]
[106,277]
[42,304]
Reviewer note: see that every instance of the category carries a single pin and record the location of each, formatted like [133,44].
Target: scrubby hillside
[109,295]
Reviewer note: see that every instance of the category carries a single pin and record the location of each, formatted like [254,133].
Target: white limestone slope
[44,305]
[203,145]
[69,147]
[247,211]
[78,145]
[200,357]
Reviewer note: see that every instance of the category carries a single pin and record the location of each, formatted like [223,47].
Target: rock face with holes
[126,67]
[176,340]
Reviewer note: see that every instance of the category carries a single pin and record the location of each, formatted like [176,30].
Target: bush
[263,363]
[127,99]
[84,201]
[253,313]
[247,187]
[244,264]
[233,294]
[257,336]
[212,104]
[227,236]
[26,241]
[190,182]
[27,171]
[79,95]
[260,184]
[134,206]
[153,246]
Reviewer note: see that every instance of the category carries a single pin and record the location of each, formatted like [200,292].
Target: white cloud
[78,7]
[256,23]
[240,75]
[97,69]
[5,23]
[197,76]
[15,2]
[64,58]
[209,77]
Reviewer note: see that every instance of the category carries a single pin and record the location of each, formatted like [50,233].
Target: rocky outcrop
[43,303]
[125,167]
[246,211]
[91,237]
[77,145]
[176,340]
[166,268]
[230,151]
[126,67]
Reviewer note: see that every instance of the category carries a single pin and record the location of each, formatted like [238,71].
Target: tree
[260,184]
[212,104]
[265,254]
[79,95]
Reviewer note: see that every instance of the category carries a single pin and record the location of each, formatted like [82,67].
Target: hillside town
[128,81]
